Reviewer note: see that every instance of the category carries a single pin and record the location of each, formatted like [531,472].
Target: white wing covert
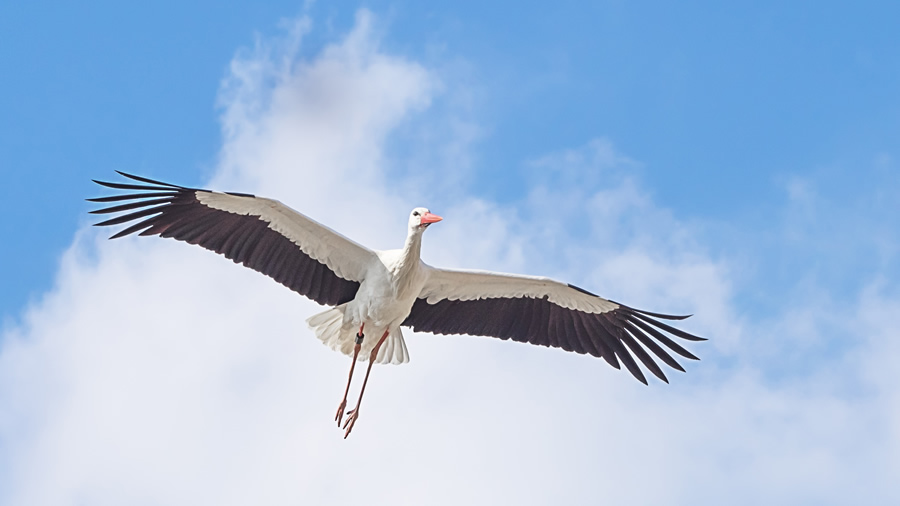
[262,234]
[546,312]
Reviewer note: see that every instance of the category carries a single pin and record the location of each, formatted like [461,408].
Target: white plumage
[373,293]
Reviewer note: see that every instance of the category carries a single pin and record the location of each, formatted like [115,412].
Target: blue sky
[739,163]
[719,104]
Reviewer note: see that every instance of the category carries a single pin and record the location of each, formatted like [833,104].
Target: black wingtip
[658,324]
[114,186]
[106,223]
[118,235]
[148,180]
[659,374]
[124,186]
[650,313]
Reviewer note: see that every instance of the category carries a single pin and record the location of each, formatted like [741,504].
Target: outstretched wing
[262,234]
[546,312]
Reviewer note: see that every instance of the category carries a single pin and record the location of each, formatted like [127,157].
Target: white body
[386,296]
[381,290]
[390,281]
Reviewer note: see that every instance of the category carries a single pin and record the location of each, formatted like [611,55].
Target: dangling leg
[353,414]
[359,340]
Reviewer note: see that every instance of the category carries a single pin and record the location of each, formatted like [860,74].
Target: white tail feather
[329,328]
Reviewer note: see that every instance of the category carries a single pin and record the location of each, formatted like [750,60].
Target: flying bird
[378,292]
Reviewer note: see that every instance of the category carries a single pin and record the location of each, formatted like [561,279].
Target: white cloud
[158,373]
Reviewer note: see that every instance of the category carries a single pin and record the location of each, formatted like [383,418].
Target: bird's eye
[415,213]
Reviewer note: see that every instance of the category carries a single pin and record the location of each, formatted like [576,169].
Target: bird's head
[420,218]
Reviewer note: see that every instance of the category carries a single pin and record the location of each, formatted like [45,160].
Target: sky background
[739,163]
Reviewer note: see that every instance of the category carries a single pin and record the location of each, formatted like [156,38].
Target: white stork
[381,291]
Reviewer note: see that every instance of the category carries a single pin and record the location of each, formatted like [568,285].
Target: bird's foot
[340,412]
[352,415]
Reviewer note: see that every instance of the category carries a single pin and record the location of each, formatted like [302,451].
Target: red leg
[343,404]
[353,414]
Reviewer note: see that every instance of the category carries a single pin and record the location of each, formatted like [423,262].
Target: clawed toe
[352,415]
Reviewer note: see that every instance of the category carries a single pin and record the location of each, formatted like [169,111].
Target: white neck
[412,249]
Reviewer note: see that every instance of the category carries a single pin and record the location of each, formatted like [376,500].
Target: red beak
[430,218]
